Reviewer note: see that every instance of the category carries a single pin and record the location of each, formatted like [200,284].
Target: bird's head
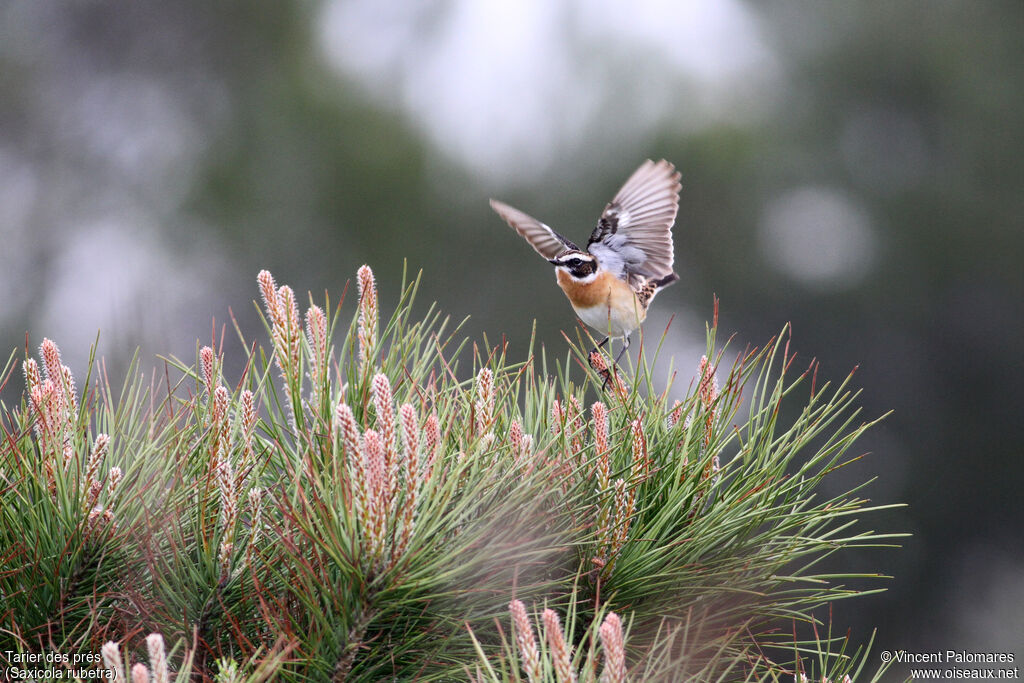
[579,265]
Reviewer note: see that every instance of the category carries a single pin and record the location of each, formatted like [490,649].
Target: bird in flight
[628,258]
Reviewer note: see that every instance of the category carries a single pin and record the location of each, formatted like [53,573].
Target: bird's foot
[599,366]
[608,375]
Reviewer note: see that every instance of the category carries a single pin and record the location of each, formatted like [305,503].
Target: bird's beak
[553,262]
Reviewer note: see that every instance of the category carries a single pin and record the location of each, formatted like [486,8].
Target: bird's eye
[575,262]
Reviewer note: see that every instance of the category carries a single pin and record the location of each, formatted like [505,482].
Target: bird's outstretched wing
[543,239]
[633,237]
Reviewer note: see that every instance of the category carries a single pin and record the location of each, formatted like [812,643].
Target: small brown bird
[628,258]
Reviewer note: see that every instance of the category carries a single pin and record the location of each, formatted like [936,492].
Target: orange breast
[589,294]
[607,304]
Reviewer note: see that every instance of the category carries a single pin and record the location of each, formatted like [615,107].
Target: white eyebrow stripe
[576,255]
[583,280]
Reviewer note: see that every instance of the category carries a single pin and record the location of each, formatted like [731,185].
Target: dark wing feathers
[633,238]
[634,234]
[543,239]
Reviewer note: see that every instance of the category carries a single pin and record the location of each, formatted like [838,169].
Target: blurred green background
[853,168]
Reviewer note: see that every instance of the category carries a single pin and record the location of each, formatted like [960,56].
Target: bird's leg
[615,366]
[625,345]
[601,344]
